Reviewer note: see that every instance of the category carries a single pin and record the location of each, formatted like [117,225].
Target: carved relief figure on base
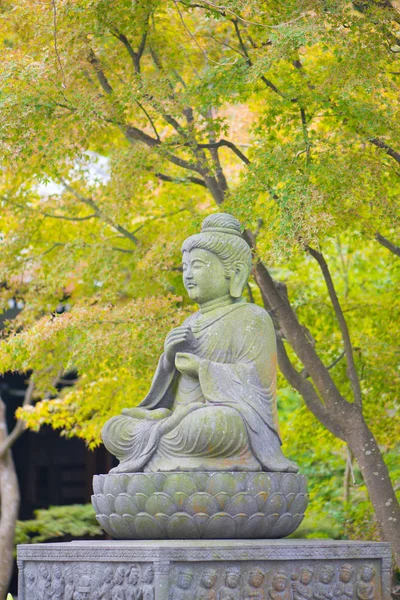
[279,589]
[181,591]
[231,590]
[148,587]
[207,583]
[212,403]
[118,590]
[133,591]
[365,587]
[44,583]
[106,587]
[301,586]
[30,582]
[254,589]
[57,584]
[323,589]
[69,584]
[344,589]
[83,589]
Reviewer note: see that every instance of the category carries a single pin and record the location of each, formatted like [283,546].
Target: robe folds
[223,420]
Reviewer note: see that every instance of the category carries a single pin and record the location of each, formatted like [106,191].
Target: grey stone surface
[199,505]
[205,570]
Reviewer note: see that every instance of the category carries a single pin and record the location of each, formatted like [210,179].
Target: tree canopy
[124,123]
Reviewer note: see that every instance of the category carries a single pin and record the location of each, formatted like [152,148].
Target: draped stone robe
[233,424]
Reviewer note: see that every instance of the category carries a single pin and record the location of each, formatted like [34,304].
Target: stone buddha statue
[212,402]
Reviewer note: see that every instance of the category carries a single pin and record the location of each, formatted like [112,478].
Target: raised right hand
[180,339]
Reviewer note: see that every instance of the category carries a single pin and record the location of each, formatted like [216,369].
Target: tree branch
[50,216]
[384,146]
[348,348]
[20,426]
[170,179]
[387,244]
[230,145]
[306,390]
[94,61]
[100,213]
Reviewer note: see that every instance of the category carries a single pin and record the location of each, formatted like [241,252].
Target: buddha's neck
[217,303]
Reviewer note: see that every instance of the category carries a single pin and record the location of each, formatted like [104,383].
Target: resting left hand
[187,364]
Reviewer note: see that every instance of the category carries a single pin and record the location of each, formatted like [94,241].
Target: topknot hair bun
[222,223]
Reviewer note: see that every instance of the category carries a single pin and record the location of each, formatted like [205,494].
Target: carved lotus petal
[116,484]
[261,482]
[242,481]
[272,519]
[220,526]
[299,504]
[201,520]
[290,483]
[283,526]
[222,498]
[222,482]
[158,479]
[179,499]
[147,527]
[130,524]
[182,526]
[240,520]
[120,529]
[141,484]
[261,499]
[160,503]
[181,482]
[141,501]
[201,503]
[241,503]
[162,521]
[256,527]
[276,503]
[105,504]
[289,499]
[104,522]
[98,483]
[200,480]
[297,519]
[95,505]
[124,504]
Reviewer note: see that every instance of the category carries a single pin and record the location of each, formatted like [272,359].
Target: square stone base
[205,570]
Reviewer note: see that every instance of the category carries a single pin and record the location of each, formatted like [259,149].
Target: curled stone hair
[220,234]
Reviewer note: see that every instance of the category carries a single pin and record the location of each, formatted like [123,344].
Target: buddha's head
[217,261]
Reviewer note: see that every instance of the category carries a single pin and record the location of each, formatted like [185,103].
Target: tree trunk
[366,451]
[9,507]
[344,419]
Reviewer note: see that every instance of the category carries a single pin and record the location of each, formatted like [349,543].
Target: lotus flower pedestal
[196,505]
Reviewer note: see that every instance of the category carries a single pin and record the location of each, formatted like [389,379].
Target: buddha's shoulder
[253,311]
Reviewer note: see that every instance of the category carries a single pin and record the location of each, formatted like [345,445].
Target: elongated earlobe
[238,280]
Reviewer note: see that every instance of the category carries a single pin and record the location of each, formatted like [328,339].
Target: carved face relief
[232,580]
[184,580]
[279,584]
[325,576]
[208,579]
[256,579]
[305,577]
[204,276]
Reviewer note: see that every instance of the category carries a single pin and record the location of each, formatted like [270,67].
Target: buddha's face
[203,276]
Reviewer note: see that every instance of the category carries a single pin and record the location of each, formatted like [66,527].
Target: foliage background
[102,179]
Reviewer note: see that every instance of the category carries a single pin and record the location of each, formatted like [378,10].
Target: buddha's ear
[239,277]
